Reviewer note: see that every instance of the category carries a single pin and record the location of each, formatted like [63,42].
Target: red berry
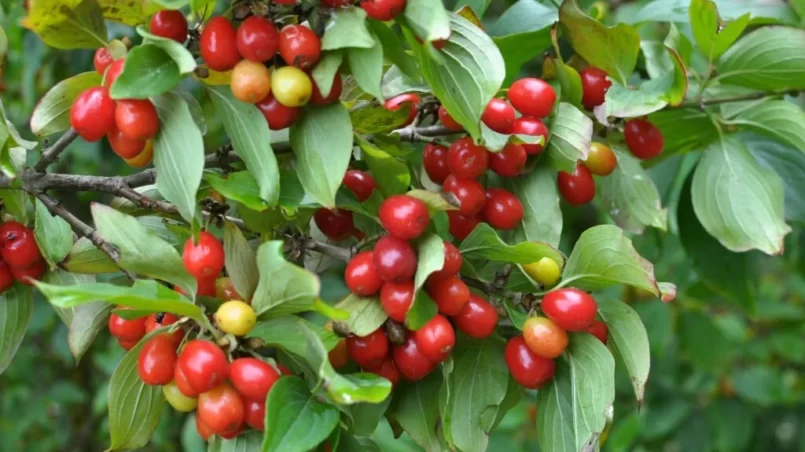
[252,377]
[594,85]
[206,286]
[462,225]
[221,409]
[93,113]
[127,345]
[169,24]
[577,188]
[203,365]
[643,138]
[335,224]
[383,10]
[361,183]
[255,413]
[124,146]
[316,97]
[599,329]
[182,384]
[448,121]
[284,370]
[103,59]
[502,209]
[478,318]
[509,162]
[157,360]
[434,160]
[532,97]
[277,115]
[407,100]
[449,294]
[532,127]
[127,330]
[469,192]
[204,260]
[410,361]
[369,351]
[299,46]
[389,371]
[257,39]
[113,72]
[467,160]
[571,309]
[436,339]
[396,299]
[339,355]
[19,245]
[6,277]
[601,161]
[528,369]
[499,116]
[137,118]
[156,321]
[404,217]
[218,44]
[361,275]
[33,272]
[395,259]
[544,337]
[451,266]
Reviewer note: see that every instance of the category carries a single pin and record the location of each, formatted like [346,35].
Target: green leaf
[295,420]
[630,339]
[363,418]
[570,82]
[392,175]
[16,309]
[484,243]
[777,119]
[52,112]
[248,130]
[241,262]
[626,102]
[789,164]
[573,405]
[134,407]
[612,49]
[325,71]
[53,235]
[396,82]
[430,258]
[522,33]
[370,120]
[393,48]
[67,24]
[85,257]
[631,196]
[366,66]
[571,135]
[542,217]
[141,251]
[148,71]
[252,440]
[127,12]
[322,142]
[471,73]
[712,39]
[428,19]
[284,288]
[347,28]
[704,342]
[684,129]
[365,314]
[435,201]
[677,11]
[178,154]
[179,54]
[416,409]
[239,186]
[289,333]
[768,58]
[604,257]
[738,201]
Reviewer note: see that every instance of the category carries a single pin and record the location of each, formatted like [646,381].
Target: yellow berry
[142,159]
[177,400]
[291,86]
[544,271]
[235,317]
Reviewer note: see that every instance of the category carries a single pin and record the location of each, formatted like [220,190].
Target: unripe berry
[291,86]
[235,317]
[544,337]
[251,81]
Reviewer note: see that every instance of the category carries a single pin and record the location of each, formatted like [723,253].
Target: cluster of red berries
[21,258]
[530,357]
[337,224]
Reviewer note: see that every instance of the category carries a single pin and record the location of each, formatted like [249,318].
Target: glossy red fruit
[407,100]
[410,361]
[203,364]
[127,330]
[221,409]
[206,286]
[383,10]
[299,46]
[103,59]
[233,433]
[93,114]
[124,146]
[448,121]
[462,225]
[27,275]
[169,24]
[252,377]
[436,338]
[527,125]
[643,138]
[478,318]
[509,162]
[434,160]
[284,370]
[335,224]
[499,116]
[369,351]
[502,210]
[127,345]
[544,337]
[19,245]
[218,44]
[277,115]
[451,266]
[466,160]
[532,97]
[449,294]
[571,309]
[389,371]
[157,360]
[182,384]
[361,275]
[404,217]
[577,188]
[158,320]
[136,118]
[601,161]
[203,431]
[316,98]
[395,259]
[594,85]
[469,192]
[7,278]
[361,183]
[527,368]
[257,39]
[396,299]
[599,329]
[255,413]
[204,260]
[113,72]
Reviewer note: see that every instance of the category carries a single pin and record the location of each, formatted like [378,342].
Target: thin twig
[51,154]
[333,251]
[739,98]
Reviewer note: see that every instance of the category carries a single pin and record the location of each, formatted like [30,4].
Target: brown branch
[51,154]
[333,251]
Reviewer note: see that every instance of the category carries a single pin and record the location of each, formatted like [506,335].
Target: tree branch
[739,98]
[51,154]
[333,251]
[426,134]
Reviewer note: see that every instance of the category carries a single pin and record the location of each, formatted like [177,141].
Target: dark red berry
[253,378]
[434,160]
[509,162]
[204,260]
[277,115]
[502,209]
[19,245]
[449,294]
[527,368]
[448,121]
[395,259]
[571,309]
[255,416]
[113,72]
[436,338]
[369,351]
[103,59]
[469,192]
[410,361]
[299,46]
[361,275]
[643,139]
[169,24]
[257,39]
[599,329]
[156,321]
[383,10]
[218,44]
[478,318]
[361,183]
[93,114]
[407,100]
[396,299]
[126,330]
[594,85]
[577,188]
[532,97]
[157,360]
[499,116]
[389,371]
[203,365]
[33,272]
[137,119]
[123,145]
[404,217]
[466,160]
[316,97]
[6,277]
[452,263]
[532,127]
[335,224]
[462,225]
